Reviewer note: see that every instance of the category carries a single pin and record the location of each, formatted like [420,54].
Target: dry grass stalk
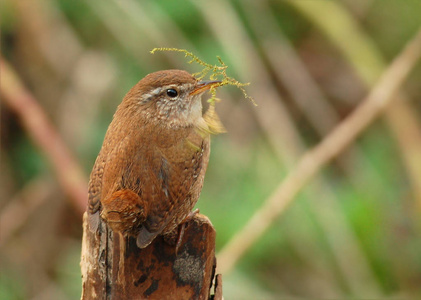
[44,135]
[313,160]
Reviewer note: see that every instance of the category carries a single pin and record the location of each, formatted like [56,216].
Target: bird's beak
[204,86]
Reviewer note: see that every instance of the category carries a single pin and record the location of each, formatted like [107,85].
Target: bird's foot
[183,227]
[176,236]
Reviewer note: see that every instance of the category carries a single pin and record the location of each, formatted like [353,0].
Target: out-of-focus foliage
[353,232]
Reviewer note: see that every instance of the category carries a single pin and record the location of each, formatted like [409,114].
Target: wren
[150,170]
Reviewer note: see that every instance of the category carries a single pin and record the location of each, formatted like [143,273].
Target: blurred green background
[353,232]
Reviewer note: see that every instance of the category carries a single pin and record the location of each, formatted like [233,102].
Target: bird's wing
[103,175]
[94,192]
[178,173]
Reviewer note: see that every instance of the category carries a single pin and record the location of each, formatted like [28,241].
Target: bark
[113,267]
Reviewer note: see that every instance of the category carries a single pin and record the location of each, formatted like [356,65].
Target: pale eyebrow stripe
[145,97]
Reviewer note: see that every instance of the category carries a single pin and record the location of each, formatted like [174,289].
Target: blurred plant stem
[89,73]
[271,114]
[363,55]
[57,42]
[21,206]
[44,135]
[313,160]
[284,136]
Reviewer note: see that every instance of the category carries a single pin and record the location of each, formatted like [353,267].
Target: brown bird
[150,170]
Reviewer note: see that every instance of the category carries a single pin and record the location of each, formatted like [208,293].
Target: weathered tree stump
[115,268]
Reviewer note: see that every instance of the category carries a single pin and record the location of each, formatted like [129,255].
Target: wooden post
[115,268]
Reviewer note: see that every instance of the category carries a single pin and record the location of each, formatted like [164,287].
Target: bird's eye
[172,93]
